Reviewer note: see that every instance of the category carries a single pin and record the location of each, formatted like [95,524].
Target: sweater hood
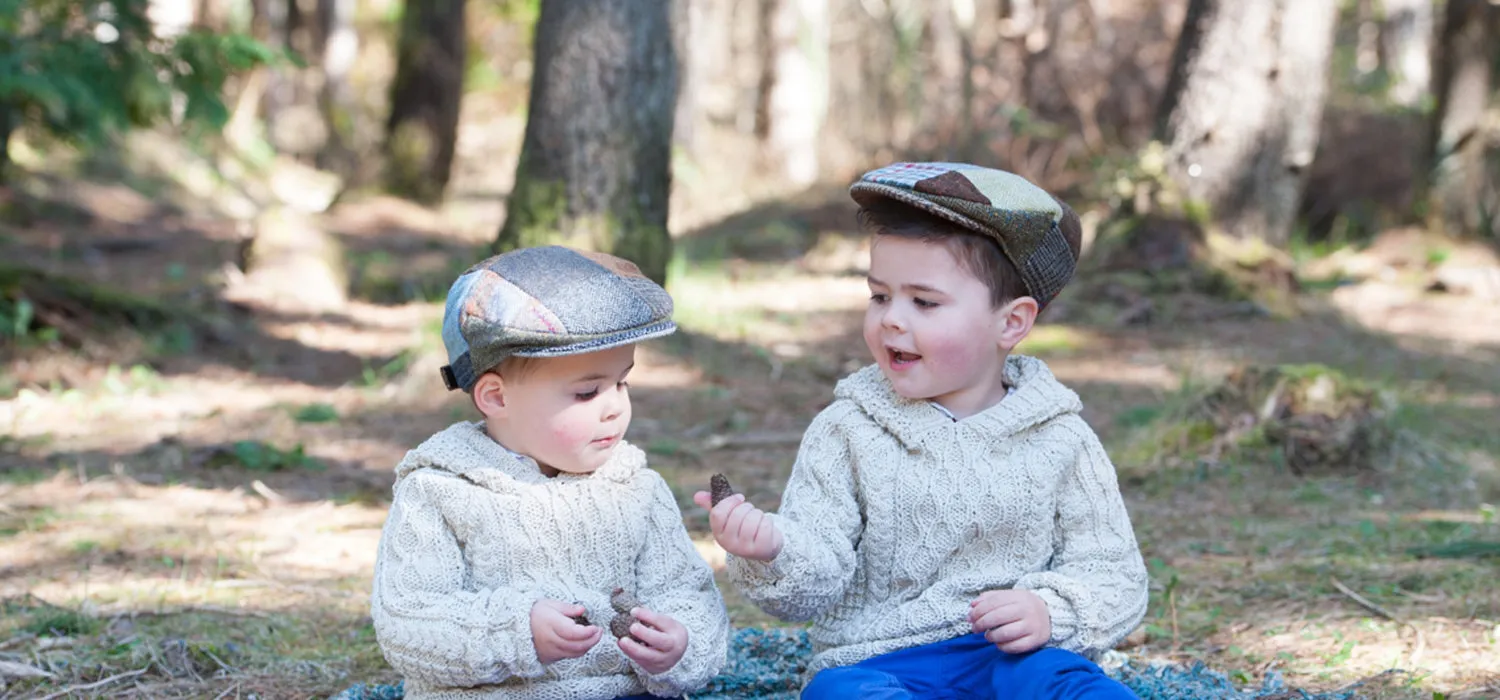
[1035,398]
[465,450]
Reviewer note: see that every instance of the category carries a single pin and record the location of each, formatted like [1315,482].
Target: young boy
[507,536]
[951,526]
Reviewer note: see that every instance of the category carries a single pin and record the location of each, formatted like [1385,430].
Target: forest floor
[191,508]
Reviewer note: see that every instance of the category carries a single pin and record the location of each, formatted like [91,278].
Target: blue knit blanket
[767,664]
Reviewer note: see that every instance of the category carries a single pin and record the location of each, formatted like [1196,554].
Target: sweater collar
[1035,398]
[466,450]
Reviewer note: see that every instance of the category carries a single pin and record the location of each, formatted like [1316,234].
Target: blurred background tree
[422,130]
[81,71]
[622,126]
[595,165]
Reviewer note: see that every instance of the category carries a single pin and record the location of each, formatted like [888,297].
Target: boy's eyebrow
[596,376]
[922,288]
[918,287]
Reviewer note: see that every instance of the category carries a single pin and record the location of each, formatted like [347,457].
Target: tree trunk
[338,47]
[7,126]
[1405,49]
[794,85]
[1242,109]
[1463,195]
[425,99]
[595,165]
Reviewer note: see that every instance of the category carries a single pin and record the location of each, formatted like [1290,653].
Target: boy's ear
[1015,322]
[489,394]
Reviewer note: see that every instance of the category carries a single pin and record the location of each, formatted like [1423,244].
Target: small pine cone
[619,626]
[623,602]
[582,620]
[719,488]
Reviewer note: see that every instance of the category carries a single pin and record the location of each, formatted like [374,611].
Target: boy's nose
[615,403]
[892,319]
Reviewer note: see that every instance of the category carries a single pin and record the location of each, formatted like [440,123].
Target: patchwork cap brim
[603,342]
[869,194]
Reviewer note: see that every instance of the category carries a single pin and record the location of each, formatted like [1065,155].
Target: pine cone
[619,626]
[582,620]
[623,602]
[719,489]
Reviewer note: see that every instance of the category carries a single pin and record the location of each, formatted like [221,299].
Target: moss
[538,215]
[1311,418]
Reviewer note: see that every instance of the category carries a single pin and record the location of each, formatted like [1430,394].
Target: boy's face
[568,413]
[930,326]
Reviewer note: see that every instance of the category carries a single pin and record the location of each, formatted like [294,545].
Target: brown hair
[979,255]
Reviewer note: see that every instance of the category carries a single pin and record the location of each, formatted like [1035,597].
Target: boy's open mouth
[902,359]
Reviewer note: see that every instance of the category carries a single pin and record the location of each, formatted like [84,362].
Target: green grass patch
[257,456]
[316,413]
[59,622]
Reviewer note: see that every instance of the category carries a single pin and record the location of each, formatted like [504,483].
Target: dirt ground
[195,513]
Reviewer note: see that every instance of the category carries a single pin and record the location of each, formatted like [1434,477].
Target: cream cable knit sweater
[896,517]
[476,535]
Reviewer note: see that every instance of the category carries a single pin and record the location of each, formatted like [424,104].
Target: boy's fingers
[574,632]
[735,519]
[764,533]
[661,621]
[1000,616]
[1007,634]
[577,646]
[638,652]
[703,499]
[654,638]
[1020,646]
[728,505]
[720,513]
[750,524]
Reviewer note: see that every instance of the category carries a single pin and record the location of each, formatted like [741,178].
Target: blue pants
[968,667]
[645,697]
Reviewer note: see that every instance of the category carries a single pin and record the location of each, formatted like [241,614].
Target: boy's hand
[1017,621]
[740,528]
[665,641]
[557,635]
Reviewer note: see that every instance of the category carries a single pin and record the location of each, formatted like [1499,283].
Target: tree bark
[1242,109]
[1463,195]
[426,96]
[595,165]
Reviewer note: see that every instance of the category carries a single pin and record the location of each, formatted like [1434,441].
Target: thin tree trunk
[693,48]
[595,165]
[426,96]
[7,126]
[794,85]
[1244,104]
[1462,192]
[339,47]
[1405,49]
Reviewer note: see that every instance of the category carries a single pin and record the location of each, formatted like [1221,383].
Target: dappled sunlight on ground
[250,482]
[120,544]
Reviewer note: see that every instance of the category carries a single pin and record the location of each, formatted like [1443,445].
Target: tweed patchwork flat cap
[1032,227]
[547,302]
